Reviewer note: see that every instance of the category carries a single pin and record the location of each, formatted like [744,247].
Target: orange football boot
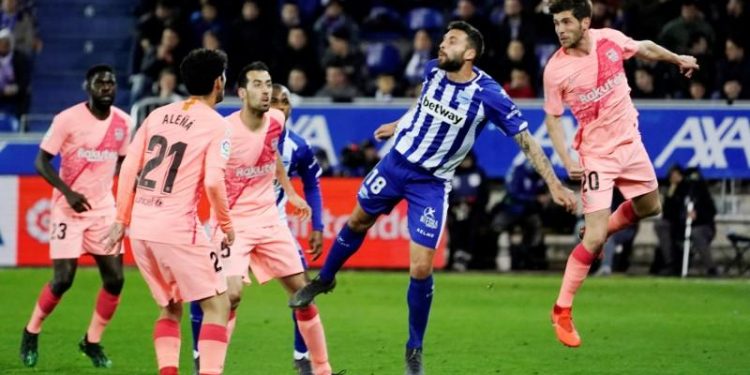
[564,328]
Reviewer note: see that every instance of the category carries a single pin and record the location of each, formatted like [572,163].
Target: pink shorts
[628,167]
[270,252]
[72,236]
[180,272]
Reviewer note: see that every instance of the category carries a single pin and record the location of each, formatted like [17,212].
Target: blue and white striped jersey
[440,130]
[299,160]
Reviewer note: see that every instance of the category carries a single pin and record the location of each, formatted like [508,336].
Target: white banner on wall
[8,219]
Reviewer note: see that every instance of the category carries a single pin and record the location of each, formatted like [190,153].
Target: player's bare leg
[631,211]
[64,271]
[419,299]
[647,205]
[310,326]
[576,270]
[347,243]
[234,293]
[111,272]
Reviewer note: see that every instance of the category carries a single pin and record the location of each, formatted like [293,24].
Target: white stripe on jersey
[446,171]
[406,141]
[447,188]
[434,127]
[453,131]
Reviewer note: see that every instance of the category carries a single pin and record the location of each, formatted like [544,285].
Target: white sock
[298,355]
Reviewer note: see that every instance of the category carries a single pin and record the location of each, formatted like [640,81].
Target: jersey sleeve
[629,45]
[215,166]
[128,133]
[553,100]
[310,172]
[128,174]
[55,136]
[501,111]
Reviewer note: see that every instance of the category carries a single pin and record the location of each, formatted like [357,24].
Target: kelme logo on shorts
[428,218]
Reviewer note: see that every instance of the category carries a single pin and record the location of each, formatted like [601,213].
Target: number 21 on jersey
[177,151]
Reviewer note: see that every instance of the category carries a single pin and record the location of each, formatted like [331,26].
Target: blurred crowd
[343,49]
[19,42]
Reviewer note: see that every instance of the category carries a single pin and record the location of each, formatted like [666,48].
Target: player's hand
[384,132]
[564,197]
[301,208]
[316,244]
[113,239]
[228,238]
[687,65]
[77,201]
[575,171]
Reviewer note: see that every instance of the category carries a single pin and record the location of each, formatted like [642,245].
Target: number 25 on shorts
[374,182]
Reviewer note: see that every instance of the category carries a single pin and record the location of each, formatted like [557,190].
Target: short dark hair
[200,68]
[580,8]
[255,65]
[96,69]
[475,37]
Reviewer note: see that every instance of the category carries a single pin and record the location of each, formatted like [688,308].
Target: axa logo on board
[709,139]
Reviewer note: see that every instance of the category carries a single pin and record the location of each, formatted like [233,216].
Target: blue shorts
[396,178]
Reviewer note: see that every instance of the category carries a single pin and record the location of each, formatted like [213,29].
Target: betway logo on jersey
[709,140]
[599,92]
[96,155]
[440,111]
[251,172]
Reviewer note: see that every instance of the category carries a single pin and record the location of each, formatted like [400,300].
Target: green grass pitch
[480,324]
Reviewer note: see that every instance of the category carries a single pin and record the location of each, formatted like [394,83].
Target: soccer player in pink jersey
[91,138]
[264,244]
[587,75]
[180,150]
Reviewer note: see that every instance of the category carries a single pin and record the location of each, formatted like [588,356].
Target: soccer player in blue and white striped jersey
[299,160]
[432,138]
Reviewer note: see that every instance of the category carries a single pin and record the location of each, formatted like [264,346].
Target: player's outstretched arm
[213,183]
[557,135]
[387,131]
[126,181]
[649,50]
[301,208]
[560,194]
[309,170]
[43,164]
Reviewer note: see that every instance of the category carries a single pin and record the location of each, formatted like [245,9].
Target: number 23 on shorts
[374,182]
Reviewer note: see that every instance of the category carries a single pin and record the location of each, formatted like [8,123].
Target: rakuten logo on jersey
[251,172]
[95,156]
[390,227]
[599,92]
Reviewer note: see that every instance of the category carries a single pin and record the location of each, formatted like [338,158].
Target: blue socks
[299,342]
[196,318]
[419,298]
[347,243]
